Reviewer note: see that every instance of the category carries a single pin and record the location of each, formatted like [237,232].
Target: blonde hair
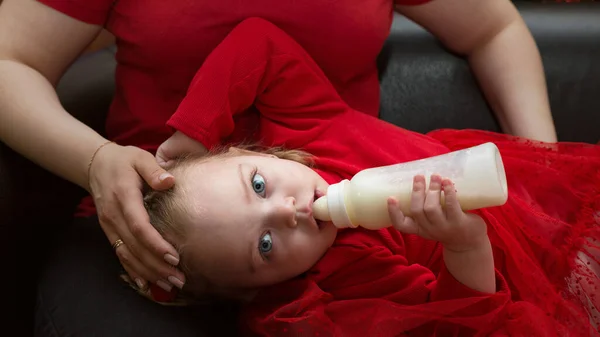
[166,210]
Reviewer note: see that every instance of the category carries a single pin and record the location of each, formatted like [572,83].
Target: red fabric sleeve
[90,11]
[273,73]
[428,253]
[448,288]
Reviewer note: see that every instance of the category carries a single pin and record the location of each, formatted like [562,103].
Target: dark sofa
[423,88]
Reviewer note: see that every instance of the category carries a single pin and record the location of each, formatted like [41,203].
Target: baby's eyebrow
[244,183]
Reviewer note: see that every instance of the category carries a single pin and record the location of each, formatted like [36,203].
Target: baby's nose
[286,212]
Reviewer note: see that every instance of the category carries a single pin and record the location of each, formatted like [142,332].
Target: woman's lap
[80,294]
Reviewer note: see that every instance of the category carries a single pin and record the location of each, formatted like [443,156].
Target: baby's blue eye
[258,185]
[266,244]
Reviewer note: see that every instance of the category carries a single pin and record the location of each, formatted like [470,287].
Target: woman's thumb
[154,175]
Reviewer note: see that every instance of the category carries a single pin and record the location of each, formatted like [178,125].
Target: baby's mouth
[319,224]
[316,196]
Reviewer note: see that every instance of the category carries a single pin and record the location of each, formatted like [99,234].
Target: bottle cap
[336,205]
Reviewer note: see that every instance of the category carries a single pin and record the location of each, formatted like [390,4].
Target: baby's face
[251,220]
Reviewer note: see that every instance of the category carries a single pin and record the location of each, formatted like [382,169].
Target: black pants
[80,294]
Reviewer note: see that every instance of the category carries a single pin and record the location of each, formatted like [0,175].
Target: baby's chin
[328,232]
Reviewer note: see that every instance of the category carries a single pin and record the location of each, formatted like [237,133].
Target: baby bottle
[477,172]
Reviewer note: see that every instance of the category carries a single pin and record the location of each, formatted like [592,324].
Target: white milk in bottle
[477,172]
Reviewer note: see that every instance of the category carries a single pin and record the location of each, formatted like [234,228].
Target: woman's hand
[448,224]
[177,145]
[116,175]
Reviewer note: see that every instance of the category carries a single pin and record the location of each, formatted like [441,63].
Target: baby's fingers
[432,207]
[417,200]
[402,223]
[453,209]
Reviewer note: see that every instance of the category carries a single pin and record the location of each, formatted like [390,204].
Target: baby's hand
[177,145]
[455,229]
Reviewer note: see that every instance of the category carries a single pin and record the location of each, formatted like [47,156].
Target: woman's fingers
[146,242]
[140,263]
[132,266]
[117,189]
[153,174]
[138,275]
[138,223]
[137,216]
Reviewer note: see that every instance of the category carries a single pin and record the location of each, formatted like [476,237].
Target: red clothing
[382,283]
[161,45]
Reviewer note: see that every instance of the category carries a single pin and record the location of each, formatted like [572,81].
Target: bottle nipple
[321,209]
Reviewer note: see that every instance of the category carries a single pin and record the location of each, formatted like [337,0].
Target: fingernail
[171,259]
[164,176]
[416,184]
[164,285]
[140,283]
[176,282]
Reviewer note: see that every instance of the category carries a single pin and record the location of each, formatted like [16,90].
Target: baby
[242,219]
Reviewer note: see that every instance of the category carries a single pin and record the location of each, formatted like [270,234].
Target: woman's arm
[37,44]
[32,60]
[502,54]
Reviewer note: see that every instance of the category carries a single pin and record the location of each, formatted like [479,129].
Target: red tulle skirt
[546,242]
[546,238]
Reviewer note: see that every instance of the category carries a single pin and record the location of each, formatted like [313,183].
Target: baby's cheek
[313,251]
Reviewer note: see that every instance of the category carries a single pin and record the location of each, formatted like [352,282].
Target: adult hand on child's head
[116,174]
[447,223]
[177,145]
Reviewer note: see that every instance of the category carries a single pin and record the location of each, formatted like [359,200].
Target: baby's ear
[236,151]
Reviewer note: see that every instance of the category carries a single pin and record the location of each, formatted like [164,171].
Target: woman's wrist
[543,130]
[91,162]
